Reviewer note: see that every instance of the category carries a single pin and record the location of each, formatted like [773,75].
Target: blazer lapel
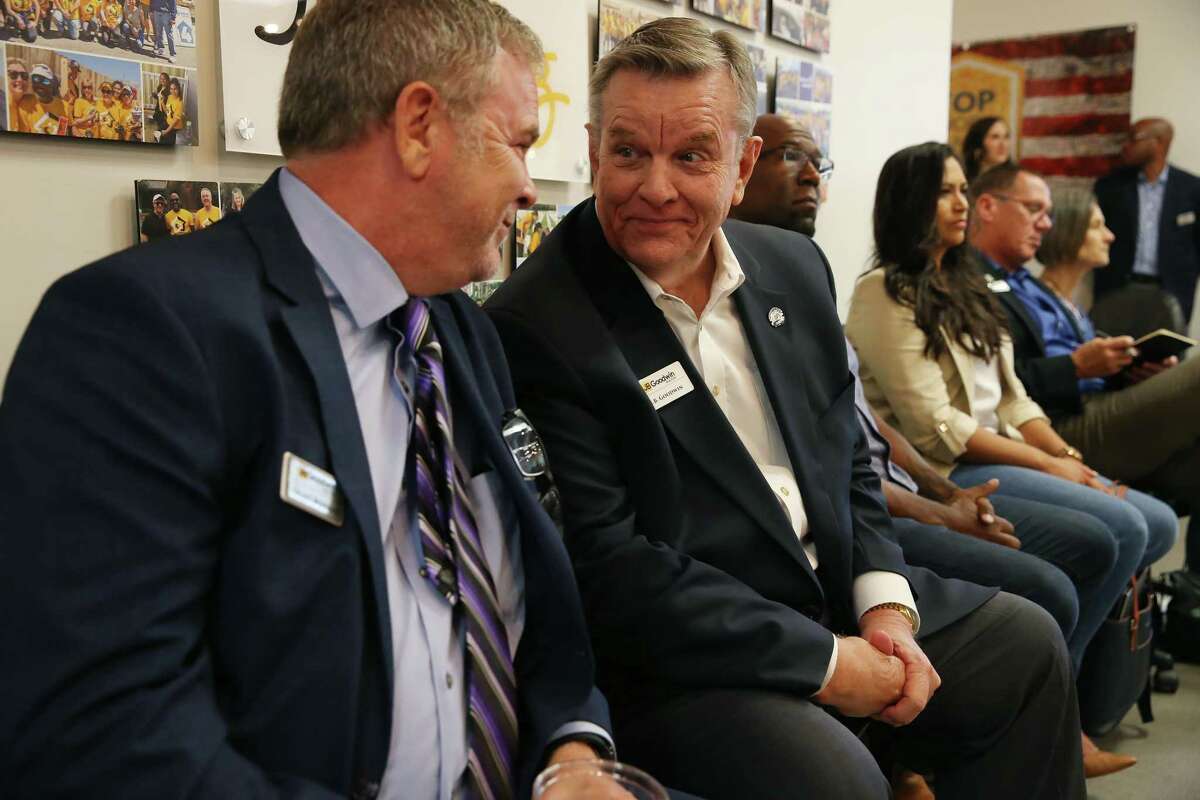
[1011,301]
[695,420]
[291,270]
[778,356]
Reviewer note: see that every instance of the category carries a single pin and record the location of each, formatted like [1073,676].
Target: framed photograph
[177,208]
[758,56]
[750,14]
[79,68]
[804,92]
[787,21]
[617,20]
[532,226]
[235,195]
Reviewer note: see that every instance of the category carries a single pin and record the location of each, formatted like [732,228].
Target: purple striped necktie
[455,564]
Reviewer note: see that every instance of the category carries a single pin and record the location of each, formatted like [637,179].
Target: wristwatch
[603,747]
[903,609]
[1071,452]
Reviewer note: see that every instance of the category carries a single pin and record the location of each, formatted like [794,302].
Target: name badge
[312,489]
[1000,286]
[1186,218]
[667,385]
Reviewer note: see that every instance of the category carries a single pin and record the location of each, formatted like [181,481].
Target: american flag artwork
[1067,98]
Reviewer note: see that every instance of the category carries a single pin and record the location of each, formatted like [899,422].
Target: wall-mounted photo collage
[802,22]
[177,208]
[101,70]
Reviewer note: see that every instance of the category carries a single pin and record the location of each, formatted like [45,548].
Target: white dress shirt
[716,343]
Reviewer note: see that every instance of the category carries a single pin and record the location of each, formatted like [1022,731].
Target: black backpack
[1181,623]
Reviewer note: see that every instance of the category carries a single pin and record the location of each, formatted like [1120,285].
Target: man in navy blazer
[1151,207]
[210,566]
[735,555]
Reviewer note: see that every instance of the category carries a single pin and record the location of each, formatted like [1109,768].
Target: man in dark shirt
[154,226]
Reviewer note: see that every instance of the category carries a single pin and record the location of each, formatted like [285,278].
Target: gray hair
[352,58]
[679,47]
[1072,218]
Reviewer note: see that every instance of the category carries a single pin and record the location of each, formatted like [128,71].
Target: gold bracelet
[903,609]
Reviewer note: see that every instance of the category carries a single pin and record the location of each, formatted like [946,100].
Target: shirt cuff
[831,668]
[571,730]
[879,586]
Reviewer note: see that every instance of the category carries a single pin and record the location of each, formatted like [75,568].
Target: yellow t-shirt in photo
[112,14]
[70,8]
[180,222]
[34,116]
[206,218]
[88,9]
[110,118]
[174,111]
[21,6]
[79,112]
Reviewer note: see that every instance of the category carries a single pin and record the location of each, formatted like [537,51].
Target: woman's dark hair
[972,146]
[175,82]
[953,298]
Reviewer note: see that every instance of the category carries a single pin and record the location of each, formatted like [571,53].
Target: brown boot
[1097,762]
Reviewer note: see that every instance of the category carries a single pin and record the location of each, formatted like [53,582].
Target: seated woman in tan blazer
[937,363]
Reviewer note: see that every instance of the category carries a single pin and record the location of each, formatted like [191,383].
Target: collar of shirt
[1161,180]
[359,274]
[727,277]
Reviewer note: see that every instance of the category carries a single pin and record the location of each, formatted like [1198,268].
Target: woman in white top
[937,363]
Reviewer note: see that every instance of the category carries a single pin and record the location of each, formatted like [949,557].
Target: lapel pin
[775,317]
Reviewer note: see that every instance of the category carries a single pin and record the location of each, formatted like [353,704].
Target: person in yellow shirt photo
[173,114]
[111,16]
[132,121]
[207,214]
[22,16]
[18,87]
[84,114]
[89,19]
[65,14]
[108,112]
[180,221]
[43,111]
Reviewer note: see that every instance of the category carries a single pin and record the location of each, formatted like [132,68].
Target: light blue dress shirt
[428,749]
[1150,203]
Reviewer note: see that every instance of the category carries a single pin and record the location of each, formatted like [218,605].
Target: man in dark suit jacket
[719,506]
[1151,208]
[212,591]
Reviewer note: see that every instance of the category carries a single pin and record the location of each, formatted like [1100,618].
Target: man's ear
[593,148]
[985,208]
[418,119]
[746,162]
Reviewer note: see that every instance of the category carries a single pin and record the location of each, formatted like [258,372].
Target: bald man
[785,187]
[1151,207]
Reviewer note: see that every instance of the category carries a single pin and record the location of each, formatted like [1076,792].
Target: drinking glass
[596,780]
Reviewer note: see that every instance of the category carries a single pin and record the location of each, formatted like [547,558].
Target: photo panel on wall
[802,22]
[750,14]
[75,68]
[804,92]
[177,208]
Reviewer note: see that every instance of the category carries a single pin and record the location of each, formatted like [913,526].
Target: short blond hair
[352,58]
[679,47]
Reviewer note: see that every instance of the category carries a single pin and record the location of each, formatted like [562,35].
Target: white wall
[73,201]
[1166,59]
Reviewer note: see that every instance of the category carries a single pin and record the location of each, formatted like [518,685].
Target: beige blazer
[930,402]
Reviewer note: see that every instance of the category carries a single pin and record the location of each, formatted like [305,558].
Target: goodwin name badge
[667,385]
[312,489]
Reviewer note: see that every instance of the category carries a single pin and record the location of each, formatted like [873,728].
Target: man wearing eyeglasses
[785,187]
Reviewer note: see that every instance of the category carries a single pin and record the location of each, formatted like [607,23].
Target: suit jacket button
[364,790]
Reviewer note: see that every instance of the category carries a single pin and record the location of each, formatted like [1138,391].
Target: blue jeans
[162,25]
[66,26]
[1136,532]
